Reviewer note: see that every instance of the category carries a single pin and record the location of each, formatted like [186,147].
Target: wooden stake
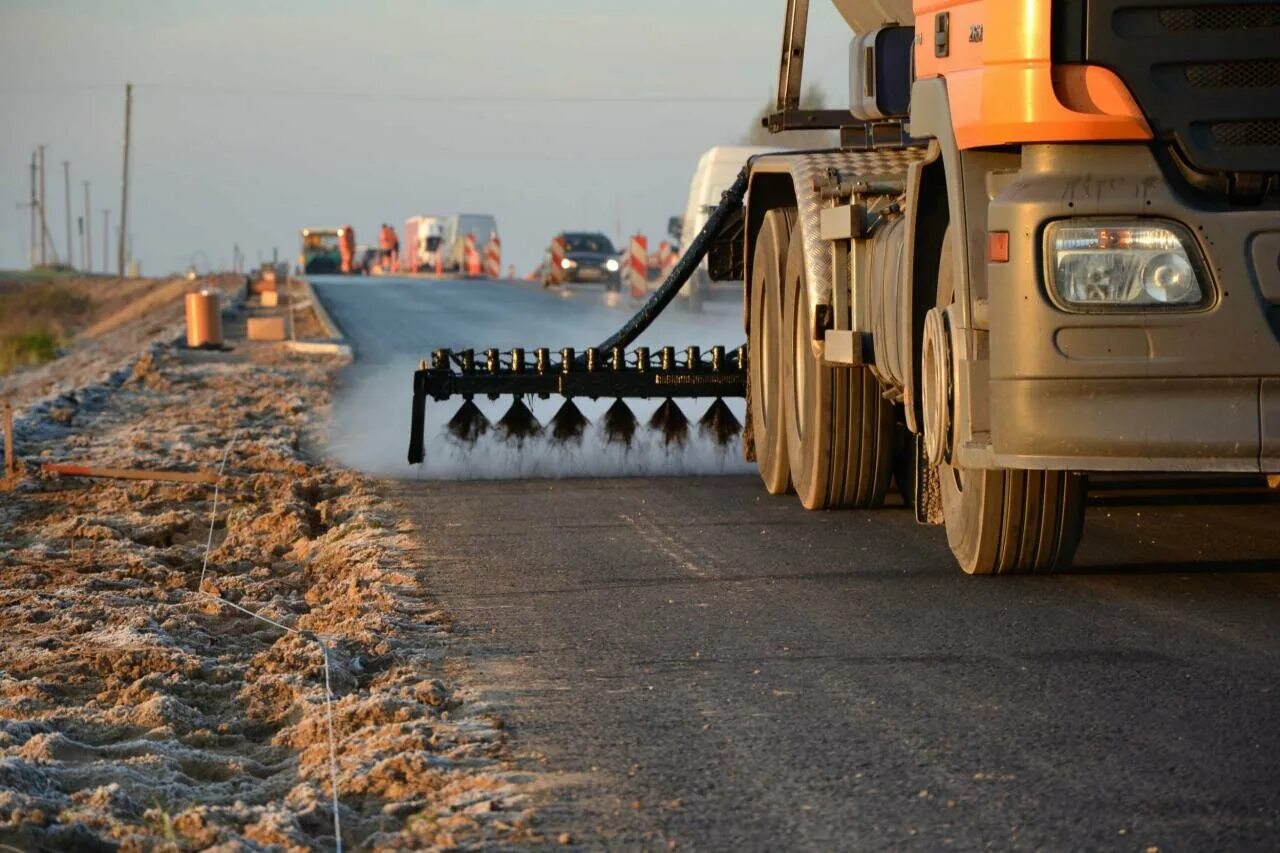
[130,473]
[10,464]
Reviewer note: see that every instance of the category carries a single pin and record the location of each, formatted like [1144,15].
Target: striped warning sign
[493,257]
[638,266]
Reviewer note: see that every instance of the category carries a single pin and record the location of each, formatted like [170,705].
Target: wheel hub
[936,390]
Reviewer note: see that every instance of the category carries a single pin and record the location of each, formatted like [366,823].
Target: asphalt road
[688,660]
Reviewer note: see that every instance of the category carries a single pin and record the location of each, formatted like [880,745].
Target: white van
[456,229]
[422,238]
[716,171]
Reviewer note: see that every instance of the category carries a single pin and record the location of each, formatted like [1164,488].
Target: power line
[350,94]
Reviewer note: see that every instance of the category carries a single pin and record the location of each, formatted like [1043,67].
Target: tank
[864,16]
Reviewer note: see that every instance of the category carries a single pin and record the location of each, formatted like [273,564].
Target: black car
[589,257]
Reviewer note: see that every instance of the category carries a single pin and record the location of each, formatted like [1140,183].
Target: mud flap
[928,492]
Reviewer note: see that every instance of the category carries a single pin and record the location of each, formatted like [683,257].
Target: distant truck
[321,251]
[423,236]
[456,229]
[716,171]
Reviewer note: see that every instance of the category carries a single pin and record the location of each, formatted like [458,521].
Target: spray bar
[593,374]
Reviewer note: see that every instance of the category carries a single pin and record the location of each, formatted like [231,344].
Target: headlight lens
[567,264]
[1115,264]
[611,265]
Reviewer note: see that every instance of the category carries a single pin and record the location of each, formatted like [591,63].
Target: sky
[254,119]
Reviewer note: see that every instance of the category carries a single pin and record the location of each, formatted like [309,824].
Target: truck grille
[1206,75]
[1234,16]
[1233,75]
[1246,133]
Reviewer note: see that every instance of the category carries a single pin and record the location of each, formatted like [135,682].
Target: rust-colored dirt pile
[138,712]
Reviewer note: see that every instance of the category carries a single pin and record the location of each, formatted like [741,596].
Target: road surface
[691,661]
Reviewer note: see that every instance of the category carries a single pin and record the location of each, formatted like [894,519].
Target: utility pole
[44,227]
[66,187]
[88,231]
[31,259]
[106,239]
[124,182]
[84,259]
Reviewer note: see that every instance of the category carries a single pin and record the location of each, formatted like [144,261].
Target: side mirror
[675,226]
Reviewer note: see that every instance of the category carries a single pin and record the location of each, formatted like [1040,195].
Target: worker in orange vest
[384,246]
[395,248]
[347,246]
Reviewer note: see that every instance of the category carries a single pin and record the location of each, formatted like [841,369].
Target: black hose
[730,201]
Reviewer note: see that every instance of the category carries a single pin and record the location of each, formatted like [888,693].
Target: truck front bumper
[1153,390]
[1218,424]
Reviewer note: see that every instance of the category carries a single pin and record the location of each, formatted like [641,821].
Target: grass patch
[24,348]
[35,318]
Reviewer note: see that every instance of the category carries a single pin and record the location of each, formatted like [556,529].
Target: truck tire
[839,426]
[999,521]
[1008,522]
[768,268]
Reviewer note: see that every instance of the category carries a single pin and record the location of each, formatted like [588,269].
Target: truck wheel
[1006,522]
[999,521]
[839,426]
[764,360]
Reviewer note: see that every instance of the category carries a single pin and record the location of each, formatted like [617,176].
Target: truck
[321,251]
[1046,248]
[1048,251]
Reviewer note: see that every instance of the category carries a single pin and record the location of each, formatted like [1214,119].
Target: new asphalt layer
[689,660]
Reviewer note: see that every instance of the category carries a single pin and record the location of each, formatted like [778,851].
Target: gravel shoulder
[140,709]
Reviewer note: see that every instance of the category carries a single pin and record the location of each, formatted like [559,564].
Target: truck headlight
[567,264]
[611,265]
[1123,264]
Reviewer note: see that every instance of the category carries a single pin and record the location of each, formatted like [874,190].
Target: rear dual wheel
[768,269]
[839,427]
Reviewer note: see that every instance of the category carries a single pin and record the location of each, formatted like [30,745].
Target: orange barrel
[204,319]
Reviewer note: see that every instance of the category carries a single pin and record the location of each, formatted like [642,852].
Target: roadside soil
[140,709]
[89,325]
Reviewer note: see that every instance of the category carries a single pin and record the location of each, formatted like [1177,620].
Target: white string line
[318,639]
[208,544]
[333,750]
